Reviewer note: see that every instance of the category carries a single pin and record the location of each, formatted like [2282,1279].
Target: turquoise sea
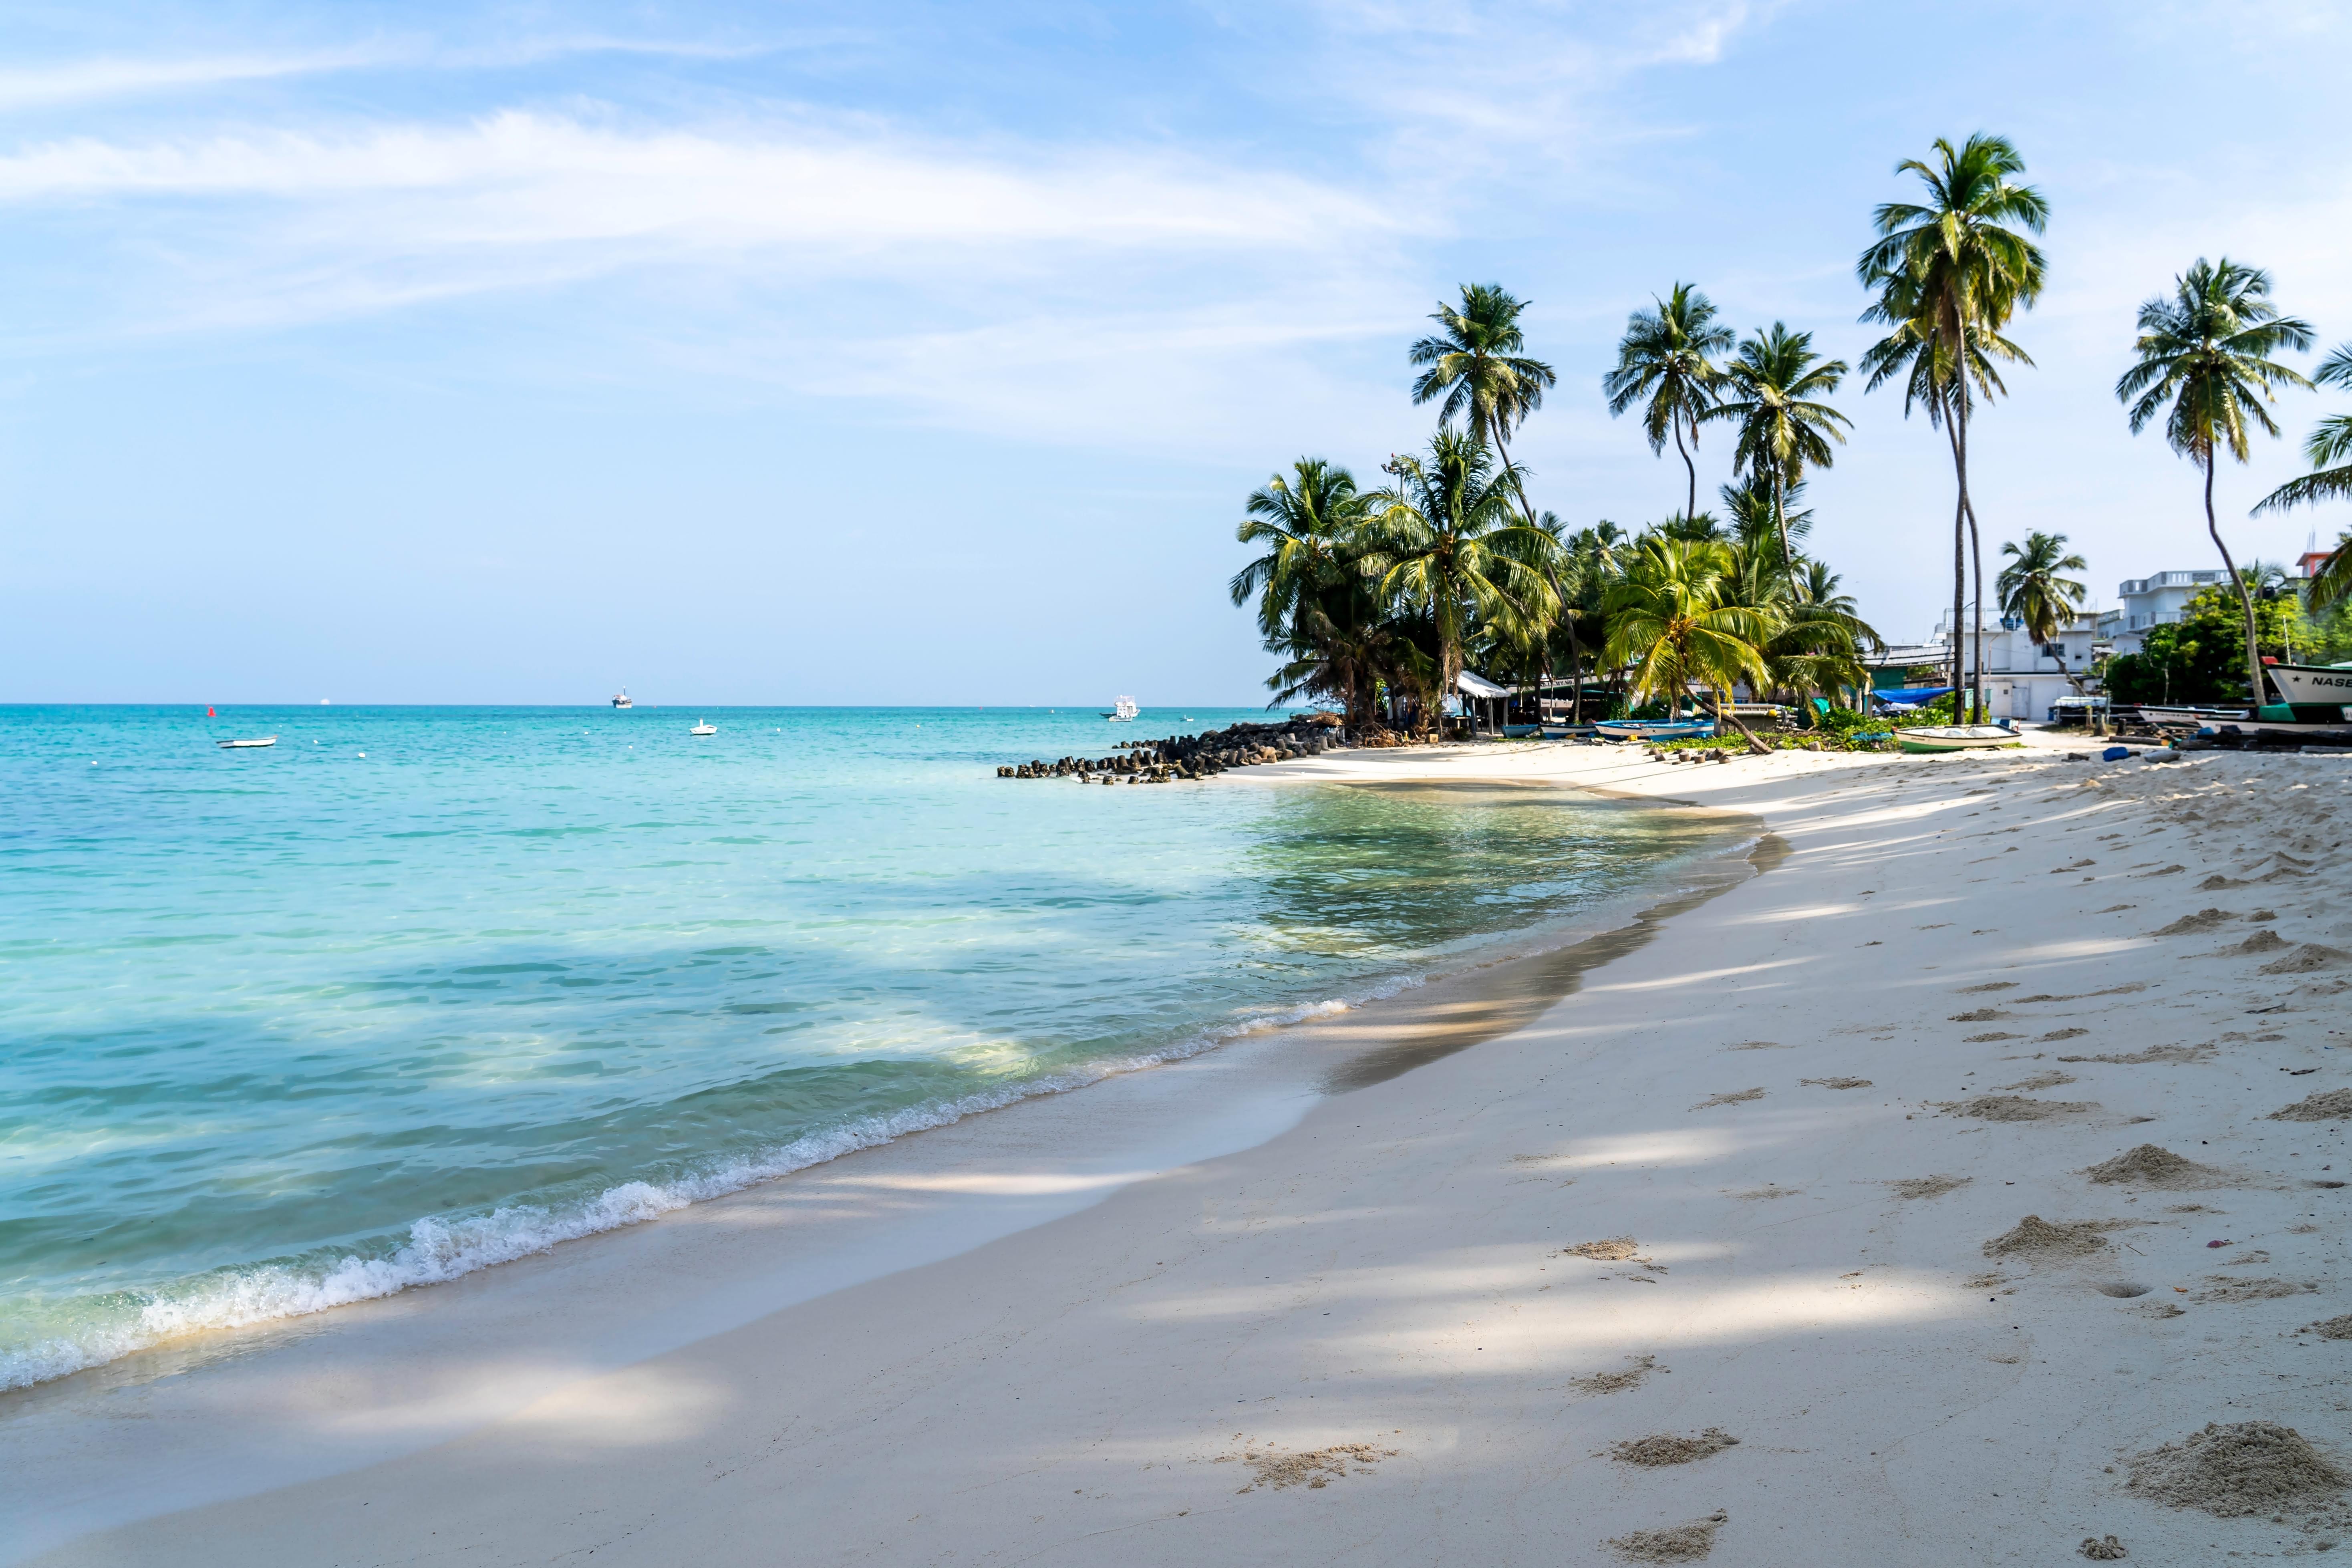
[417,991]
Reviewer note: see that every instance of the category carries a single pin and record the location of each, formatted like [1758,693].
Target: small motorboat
[1655,729]
[623,699]
[1954,736]
[241,745]
[701,728]
[1123,711]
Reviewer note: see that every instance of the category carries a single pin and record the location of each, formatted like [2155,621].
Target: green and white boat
[1955,737]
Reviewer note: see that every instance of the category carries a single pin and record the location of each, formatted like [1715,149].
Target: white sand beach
[1705,1261]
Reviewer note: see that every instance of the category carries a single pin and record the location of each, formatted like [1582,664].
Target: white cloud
[74,81]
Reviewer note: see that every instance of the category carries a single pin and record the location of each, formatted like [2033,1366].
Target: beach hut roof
[1477,685]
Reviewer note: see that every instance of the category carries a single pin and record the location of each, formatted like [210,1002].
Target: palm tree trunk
[1781,520]
[1518,488]
[1960,539]
[1976,550]
[2245,599]
[1690,508]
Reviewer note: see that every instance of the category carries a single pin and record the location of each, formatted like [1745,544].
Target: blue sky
[902,352]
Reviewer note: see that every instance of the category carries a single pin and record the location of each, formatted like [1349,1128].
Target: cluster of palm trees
[1377,599]
[1388,591]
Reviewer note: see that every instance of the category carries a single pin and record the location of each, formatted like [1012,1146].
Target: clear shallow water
[420,989]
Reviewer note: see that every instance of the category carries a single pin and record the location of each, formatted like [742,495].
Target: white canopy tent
[1475,686]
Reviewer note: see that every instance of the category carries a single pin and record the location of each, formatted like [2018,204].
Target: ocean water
[418,991]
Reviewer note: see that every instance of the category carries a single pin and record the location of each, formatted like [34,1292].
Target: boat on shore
[2319,694]
[242,746]
[1655,729]
[1954,736]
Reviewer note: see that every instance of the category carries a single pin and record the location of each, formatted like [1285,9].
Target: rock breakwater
[1204,755]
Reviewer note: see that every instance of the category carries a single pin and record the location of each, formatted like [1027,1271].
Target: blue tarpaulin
[1915,695]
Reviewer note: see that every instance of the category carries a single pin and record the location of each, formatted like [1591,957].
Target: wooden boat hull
[1954,738]
[2313,685]
[1642,729]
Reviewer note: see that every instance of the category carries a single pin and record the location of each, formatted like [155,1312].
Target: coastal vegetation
[1376,600]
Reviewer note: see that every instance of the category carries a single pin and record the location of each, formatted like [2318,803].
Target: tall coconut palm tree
[1476,362]
[1666,357]
[1673,624]
[2328,449]
[1772,391]
[1750,505]
[1954,269]
[1443,539]
[2204,366]
[2033,591]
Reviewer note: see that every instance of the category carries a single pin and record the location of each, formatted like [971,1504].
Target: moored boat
[241,745]
[1123,711]
[1954,736]
[701,728]
[623,699]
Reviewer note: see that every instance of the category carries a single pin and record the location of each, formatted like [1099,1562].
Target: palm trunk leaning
[2245,599]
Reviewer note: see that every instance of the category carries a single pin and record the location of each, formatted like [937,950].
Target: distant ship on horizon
[623,699]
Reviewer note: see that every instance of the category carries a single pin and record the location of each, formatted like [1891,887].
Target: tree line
[1389,590]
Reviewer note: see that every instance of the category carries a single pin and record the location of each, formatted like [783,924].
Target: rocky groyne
[1200,756]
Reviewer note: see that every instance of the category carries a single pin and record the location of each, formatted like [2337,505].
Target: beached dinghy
[1954,736]
[1655,729]
[240,746]
[702,729]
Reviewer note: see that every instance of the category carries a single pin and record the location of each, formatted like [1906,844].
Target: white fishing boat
[623,699]
[2315,685]
[1954,736]
[700,728]
[1123,711]
[241,745]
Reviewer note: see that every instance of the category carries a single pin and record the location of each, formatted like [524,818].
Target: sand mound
[1837,1082]
[2332,1328]
[2310,956]
[1666,1448]
[2228,1289]
[1680,1543]
[1987,986]
[1928,1186]
[1274,1469]
[1614,1249]
[2150,1166]
[2216,883]
[1984,1039]
[2260,941]
[2334,1105]
[1637,1369]
[2175,1054]
[2098,1551]
[2246,1468]
[2034,1236]
[2203,919]
[2043,1080]
[1978,1016]
[2017,1108]
[1744,1095]
[1760,1046]
[2056,1035]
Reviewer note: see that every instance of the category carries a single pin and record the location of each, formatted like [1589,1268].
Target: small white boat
[702,729]
[241,745]
[1123,711]
[1954,736]
[623,699]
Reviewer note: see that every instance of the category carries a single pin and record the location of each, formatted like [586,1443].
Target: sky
[911,354]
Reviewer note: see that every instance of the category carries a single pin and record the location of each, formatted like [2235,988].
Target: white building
[2024,679]
[2156,601]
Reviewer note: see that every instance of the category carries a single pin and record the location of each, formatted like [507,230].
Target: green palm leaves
[1444,540]
[1772,391]
[2328,449]
[1666,357]
[2204,368]
[2033,591]
[1476,362]
[1675,620]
